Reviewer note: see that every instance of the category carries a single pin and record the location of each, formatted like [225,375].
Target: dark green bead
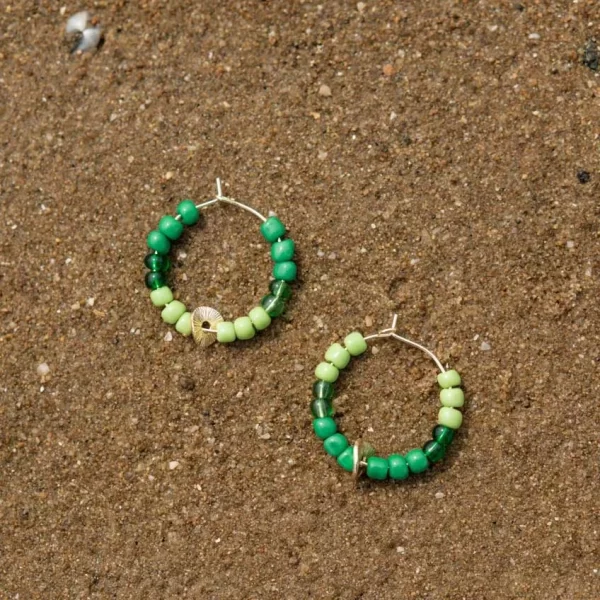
[398,466]
[323,389]
[273,305]
[285,270]
[335,444]
[158,242]
[377,468]
[346,459]
[188,212]
[272,229]
[282,251]
[171,227]
[321,408]
[324,427]
[155,280]
[157,262]
[442,434]
[434,451]
[417,461]
[281,289]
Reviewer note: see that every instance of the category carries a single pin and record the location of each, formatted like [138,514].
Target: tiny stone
[332,256]
[43,369]
[388,70]
[325,90]
[374,350]
[369,321]
[583,176]
[90,302]
[169,175]
[320,253]
[570,244]
[298,367]
[534,36]
[173,464]
[439,495]
[485,346]
[361,6]
[168,337]
[181,255]
[322,155]
[400,549]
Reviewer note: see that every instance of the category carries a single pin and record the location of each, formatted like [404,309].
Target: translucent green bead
[324,427]
[454,397]
[346,459]
[170,227]
[355,343]
[158,242]
[155,280]
[377,468]
[327,372]
[286,271]
[320,408]
[184,324]
[188,212]
[171,312]
[434,451]
[260,318]
[273,305]
[282,251]
[338,356]
[161,296]
[244,330]
[225,332]
[450,417]
[323,389]
[157,262]
[281,289]
[335,444]
[443,435]
[398,467]
[416,460]
[449,379]
[272,229]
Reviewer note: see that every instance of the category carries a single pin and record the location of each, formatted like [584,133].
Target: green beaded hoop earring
[361,457]
[205,323]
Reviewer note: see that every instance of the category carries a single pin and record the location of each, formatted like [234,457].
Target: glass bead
[346,459]
[260,318]
[155,280]
[188,212]
[335,444]
[161,296]
[449,379]
[282,251]
[170,227]
[355,343]
[273,305]
[416,460]
[338,356]
[158,242]
[323,389]
[272,229]
[281,289]
[434,451]
[453,397]
[225,332]
[287,271]
[377,468]
[184,324]
[398,466]
[320,408]
[324,427]
[244,330]
[157,262]
[172,311]
[443,435]
[450,417]
[327,372]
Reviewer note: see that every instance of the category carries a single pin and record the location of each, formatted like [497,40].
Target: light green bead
[171,312]
[225,332]
[355,343]
[449,379]
[161,296]
[454,397]
[327,372]
[184,324]
[450,417]
[243,328]
[260,318]
[338,356]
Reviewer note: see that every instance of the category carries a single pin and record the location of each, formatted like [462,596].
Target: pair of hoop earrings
[206,325]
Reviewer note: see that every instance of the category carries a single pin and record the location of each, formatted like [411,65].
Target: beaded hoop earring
[361,457]
[206,323]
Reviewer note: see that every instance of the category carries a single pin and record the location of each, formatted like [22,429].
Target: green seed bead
[172,312]
[225,332]
[244,330]
[443,435]
[188,212]
[273,305]
[281,289]
[324,427]
[323,389]
[416,460]
[155,280]
[398,466]
[320,408]
[338,356]
[158,242]
[450,417]
[170,227]
[161,296]
[282,251]
[454,397]
[335,444]
[377,468]
[434,451]
[449,379]
[260,318]
[286,271]
[157,262]
[272,229]
[346,459]
[327,372]
[355,343]
[184,324]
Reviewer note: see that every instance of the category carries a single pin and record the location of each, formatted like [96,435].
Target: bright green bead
[260,318]
[416,460]
[324,427]
[454,397]
[443,435]
[335,444]
[273,305]
[272,229]
[355,343]
[171,312]
[170,227]
[158,242]
[161,296]
[377,468]
[398,466]
[346,459]
[157,262]
[225,332]
[450,417]
[286,271]
[434,451]
[244,330]
[449,379]
[320,408]
[327,372]
[282,251]
[188,212]
[338,356]
[155,279]
[323,389]
[184,324]
[281,289]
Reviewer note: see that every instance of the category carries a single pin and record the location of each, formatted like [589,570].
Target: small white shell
[90,39]
[78,22]
[201,315]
